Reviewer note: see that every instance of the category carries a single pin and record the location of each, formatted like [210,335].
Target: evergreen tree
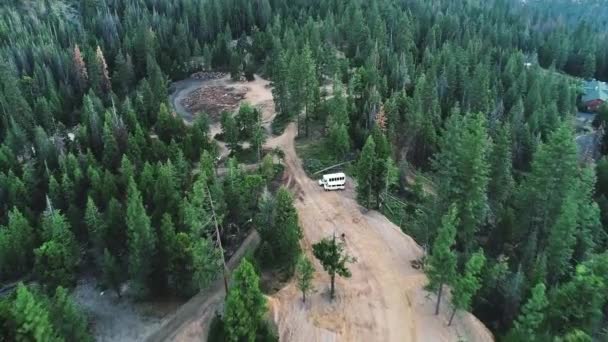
[67,318]
[283,235]
[57,258]
[245,304]
[334,259]
[310,84]
[441,264]
[542,194]
[80,69]
[123,76]
[55,264]
[561,240]
[468,284]
[339,140]
[141,241]
[531,317]
[111,152]
[305,273]
[230,131]
[462,173]
[32,318]
[206,263]
[112,274]
[267,168]
[258,138]
[501,184]
[16,244]
[578,303]
[197,215]
[365,166]
[95,226]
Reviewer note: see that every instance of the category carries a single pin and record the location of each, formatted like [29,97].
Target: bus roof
[333,175]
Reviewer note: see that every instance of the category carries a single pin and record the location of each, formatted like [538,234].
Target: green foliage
[441,264]
[462,173]
[206,263]
[95,226]
[532,316]
[405,67]
[230,130]
[141,241]
[112,274]
[277,223]
[267,168]
[32,318]
[245,304]
[467,285]
[577,304]
[57,258]
[67,318]
[304,273]
[364,172]
[55,264]
[16,244]
[334,259]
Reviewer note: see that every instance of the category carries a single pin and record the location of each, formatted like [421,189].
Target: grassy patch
[279,124]
[245,155]
[314,154]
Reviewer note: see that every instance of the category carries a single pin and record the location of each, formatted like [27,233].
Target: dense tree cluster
[95,168]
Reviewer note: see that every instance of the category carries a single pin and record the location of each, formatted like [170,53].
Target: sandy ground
[258,94]
[383,301]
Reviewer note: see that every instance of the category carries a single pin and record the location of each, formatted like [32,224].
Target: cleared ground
[383,301]
[192,94]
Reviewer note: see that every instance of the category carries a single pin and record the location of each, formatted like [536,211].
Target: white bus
[333,181]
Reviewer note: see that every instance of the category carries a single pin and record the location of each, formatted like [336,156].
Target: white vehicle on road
[333,181]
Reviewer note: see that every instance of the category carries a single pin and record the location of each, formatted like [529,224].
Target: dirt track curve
[384,299]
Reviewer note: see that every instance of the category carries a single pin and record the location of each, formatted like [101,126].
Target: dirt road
[383,301]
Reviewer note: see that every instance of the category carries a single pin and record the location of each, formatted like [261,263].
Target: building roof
[595,90]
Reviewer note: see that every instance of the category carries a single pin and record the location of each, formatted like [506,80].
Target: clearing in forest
[384,300]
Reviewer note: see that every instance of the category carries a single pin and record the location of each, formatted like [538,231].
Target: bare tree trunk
[306,121]
[452,317]
[438,299]
[298,124]
[331,292]
[304,296]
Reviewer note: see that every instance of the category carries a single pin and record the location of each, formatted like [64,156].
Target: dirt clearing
[217,92]
[213,100]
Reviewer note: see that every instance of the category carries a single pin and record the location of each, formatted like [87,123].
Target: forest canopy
[477,95]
